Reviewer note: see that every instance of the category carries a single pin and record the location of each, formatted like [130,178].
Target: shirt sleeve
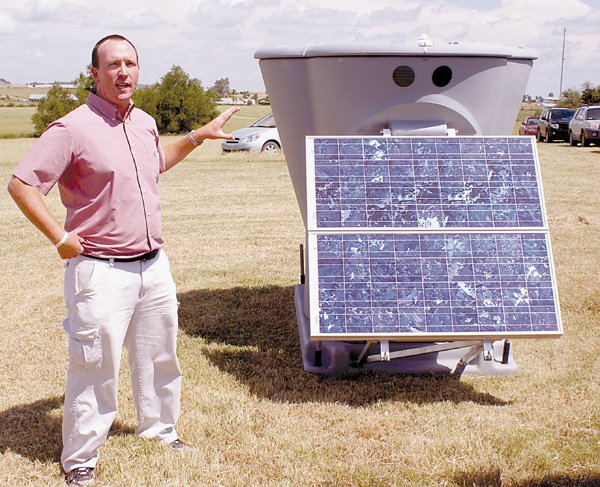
[162,157]
[48,159]
[162,167]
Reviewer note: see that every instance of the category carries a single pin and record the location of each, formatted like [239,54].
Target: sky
[51,40]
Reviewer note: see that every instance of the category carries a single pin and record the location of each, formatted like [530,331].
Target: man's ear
[94,72]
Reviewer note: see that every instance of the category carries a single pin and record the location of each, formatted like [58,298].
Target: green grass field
[257,419]
[16,122]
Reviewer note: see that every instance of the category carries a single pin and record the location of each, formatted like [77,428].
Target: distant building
[36,98]
[35,84]
[547,102]
[236,101]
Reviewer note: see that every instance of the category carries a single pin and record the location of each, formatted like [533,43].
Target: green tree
[58,103]
[148,99]
[570,98]
[84,84]
[178,103]
[221,87]
[590,95]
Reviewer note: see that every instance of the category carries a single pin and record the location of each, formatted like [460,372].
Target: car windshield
[556,114]
[533,121]
[593,114]
[268,121]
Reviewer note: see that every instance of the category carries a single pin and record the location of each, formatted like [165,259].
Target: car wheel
[584,142]
[539,136]
[270,147]
[572,140]
[548,137]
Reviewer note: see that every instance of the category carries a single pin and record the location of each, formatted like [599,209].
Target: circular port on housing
[442,76]
[403,76]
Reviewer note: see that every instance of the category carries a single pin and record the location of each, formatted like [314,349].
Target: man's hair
[117,37]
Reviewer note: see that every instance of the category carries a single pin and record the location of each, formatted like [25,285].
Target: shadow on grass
[252,334]
[34,430]
[493,478]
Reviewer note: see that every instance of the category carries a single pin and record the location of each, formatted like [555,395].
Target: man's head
[115,70]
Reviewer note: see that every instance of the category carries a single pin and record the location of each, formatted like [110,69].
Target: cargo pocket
[85,348]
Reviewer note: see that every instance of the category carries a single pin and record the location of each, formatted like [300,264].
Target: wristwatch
[192,140]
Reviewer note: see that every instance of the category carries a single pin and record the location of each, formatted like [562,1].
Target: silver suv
[584,127]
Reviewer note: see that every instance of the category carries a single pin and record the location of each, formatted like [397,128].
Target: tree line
[178,102]
[589,95]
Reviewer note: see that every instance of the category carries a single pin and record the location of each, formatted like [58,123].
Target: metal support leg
[385,350]
[434,347]
[506,351]
[318,355]
[466,359]
[363,353]
[488,350]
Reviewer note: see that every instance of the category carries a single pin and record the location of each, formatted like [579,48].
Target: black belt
[144,257]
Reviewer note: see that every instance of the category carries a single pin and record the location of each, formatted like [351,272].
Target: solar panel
[495,284]
[440,238]
[390,182]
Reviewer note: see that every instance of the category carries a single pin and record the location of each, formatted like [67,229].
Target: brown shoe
[180,445]
[80,476]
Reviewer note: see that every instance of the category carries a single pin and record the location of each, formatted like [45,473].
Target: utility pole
[562,62]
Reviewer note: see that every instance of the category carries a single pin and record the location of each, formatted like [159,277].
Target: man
[106,158]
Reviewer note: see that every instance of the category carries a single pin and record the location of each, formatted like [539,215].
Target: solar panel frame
[468,315]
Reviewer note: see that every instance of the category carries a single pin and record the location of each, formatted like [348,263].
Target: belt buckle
[150,255]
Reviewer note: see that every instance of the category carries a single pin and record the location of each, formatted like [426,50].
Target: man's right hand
[72,247]
[30,202]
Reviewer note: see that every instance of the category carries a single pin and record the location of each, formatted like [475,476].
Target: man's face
[117,73]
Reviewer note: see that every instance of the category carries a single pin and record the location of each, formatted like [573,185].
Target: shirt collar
[106,108]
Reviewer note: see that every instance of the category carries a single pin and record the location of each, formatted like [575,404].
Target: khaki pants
[111,304]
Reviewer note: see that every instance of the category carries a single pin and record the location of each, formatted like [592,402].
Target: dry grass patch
[16,120]
[232,229]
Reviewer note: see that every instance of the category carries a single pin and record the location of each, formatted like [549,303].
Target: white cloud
[48,12]
[7,24]
[36,53]
[213,39]
[130,19]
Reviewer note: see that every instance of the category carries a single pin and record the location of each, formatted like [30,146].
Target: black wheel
[539,136]
[548,137]
[584,142]
[572,140]
[270,147]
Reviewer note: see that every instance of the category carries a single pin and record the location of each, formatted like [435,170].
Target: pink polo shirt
[107,172]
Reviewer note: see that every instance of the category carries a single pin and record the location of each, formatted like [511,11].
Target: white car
[261,136]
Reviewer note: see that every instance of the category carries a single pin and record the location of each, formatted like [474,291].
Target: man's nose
[123,69]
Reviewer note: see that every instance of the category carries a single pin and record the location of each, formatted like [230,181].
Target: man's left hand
[214,128]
